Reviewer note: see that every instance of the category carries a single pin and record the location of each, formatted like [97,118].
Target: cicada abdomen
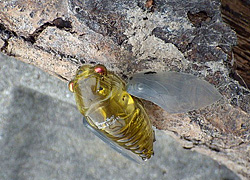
[108,108]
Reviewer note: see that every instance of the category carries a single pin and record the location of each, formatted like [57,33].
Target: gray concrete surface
[42,137]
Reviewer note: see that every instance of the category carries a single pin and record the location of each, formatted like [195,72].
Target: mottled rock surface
[133,36]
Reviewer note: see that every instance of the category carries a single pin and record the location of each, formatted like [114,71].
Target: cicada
[119,119]
[111,112]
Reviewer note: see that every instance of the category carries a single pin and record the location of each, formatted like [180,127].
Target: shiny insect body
[119,119]
[111,112]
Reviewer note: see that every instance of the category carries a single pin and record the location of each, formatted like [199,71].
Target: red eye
[100,69]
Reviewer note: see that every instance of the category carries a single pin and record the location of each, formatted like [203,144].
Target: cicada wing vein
[173,91]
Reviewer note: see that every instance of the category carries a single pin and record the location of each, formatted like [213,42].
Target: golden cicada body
[119,119]
[111,112]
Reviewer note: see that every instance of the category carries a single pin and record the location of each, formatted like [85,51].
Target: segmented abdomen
[134,132]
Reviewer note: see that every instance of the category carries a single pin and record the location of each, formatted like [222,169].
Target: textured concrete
[42,137]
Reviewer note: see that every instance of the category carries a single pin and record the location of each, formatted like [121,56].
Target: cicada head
[91,85]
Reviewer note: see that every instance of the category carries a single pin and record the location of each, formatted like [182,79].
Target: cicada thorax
[103,100]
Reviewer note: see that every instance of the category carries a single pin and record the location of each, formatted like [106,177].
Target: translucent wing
[173,91]
[131,156]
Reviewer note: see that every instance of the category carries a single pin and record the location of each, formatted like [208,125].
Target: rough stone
[133,36]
